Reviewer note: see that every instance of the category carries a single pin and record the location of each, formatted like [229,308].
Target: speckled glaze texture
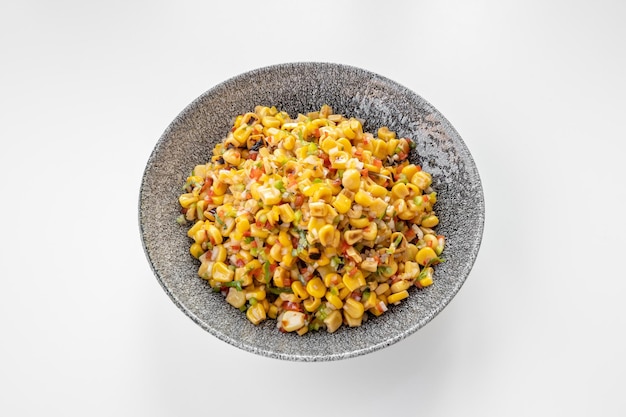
[301,88]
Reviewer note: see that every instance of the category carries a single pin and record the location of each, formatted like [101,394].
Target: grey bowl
[300,88]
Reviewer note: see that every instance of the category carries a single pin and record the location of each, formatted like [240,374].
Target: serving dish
[301,88]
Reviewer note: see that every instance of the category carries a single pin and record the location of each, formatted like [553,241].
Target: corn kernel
[353,307]
[258,294]
[360,223]
[333,321]
[222,273]
[397,297]
[316,287]
[299,290]
[354,281]
[342,203]
[334,300]
[287,214]
[213,234]
[351,179]
[386,134]
[399,191]
[363,198]
[421,179]
[312,303]
[400,285]
[370,231]
[236,298]
[425,255]
[430,221]
[256,313]
[187,200]
[196,250]
[332,279]
[352,321]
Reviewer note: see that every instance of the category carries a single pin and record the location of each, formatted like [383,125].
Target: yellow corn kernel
[370,231]
[256,231]
[187,199]
[236,298]
[422,180]
[354,281]
[344,293]
[287,214]
[381,288]
[378,208]
[363,198]
[351,179]
[220,253]
[342,203]
[400,285]
[328,144]
[334,300]
[386,134]
[392,145]
[279,277]
[275,253]
[213,233]
[352,321]
[222,273]
[299,290]
[430,240]
[196,250]
[332,279]
[333,321]
[397,297]
[242,133]
[360,223]
[219,188]
[430,221]
[206,269]
[256,313]
[369,265]
[254,191]
[339,159]
[411,270]
[243,224]
[311,304]
[326,235]
[316,287]
[193,229]
[258,294]
[284,239]
[232,156]
[324,193]
[318,209]
[270,121]
[425,255]
[344,145]
[352,236]
[427,278]
[353,307]
[399,191]
[316,223]
[272,311]
[377,190]
[379,149]
[269,195]
[370,301]
[410,170]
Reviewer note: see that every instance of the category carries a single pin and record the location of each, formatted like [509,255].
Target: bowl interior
[301,88]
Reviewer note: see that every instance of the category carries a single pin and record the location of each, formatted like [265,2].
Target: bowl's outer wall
[301,88]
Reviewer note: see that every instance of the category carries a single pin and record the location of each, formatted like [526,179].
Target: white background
[535,88]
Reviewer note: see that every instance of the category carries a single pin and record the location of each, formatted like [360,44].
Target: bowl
[301,88]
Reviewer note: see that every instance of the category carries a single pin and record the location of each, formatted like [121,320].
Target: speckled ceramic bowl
[301,88]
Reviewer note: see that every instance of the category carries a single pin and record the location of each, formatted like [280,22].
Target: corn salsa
[311,221]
